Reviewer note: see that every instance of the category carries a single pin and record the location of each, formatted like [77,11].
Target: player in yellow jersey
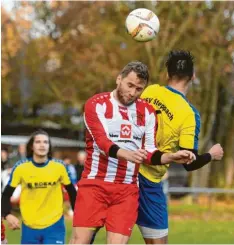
[178,128]
[41,201]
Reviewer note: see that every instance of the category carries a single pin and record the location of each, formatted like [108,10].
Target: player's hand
[216,152]
[138,156]
[13,222]
[183,157]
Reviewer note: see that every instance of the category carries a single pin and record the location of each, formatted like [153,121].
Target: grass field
[188,224]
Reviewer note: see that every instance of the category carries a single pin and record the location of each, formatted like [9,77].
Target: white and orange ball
[142,24]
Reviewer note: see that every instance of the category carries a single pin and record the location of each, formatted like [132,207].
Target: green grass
[201,231]
[188,224]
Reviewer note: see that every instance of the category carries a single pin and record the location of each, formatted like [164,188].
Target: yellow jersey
[178,125]
[41,200]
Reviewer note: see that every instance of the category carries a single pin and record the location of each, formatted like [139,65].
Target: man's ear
[118,79]
[193,77]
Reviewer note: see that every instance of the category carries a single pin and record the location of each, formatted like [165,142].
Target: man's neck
[115,95]
[181,86]
[39,159]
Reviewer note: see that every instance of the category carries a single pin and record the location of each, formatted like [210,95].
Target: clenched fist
[216,152]
[138,156]
[182,157]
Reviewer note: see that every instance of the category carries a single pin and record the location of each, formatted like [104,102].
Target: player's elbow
[8,191]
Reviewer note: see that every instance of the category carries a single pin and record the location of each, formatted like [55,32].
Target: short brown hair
[139,68]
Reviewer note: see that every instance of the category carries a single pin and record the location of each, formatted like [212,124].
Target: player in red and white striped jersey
[121,130]
[112,125]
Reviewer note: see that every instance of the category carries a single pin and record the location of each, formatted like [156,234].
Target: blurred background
[56,54]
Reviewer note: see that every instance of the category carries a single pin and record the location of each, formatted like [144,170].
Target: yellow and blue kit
[178,127]
[41,200]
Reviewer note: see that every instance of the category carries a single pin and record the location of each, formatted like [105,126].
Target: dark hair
[29,150]
[180,64]
[66,157]
[4,149]
[139,68]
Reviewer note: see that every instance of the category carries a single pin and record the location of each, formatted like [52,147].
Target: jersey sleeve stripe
[95,121]
[67,170]
[197,127]
[14,168]
[140,107]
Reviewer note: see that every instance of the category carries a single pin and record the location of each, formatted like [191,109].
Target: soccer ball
[142,24]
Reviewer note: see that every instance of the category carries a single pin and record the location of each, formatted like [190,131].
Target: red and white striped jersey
[108,122]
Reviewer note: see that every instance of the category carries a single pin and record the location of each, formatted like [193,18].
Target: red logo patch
[125,131]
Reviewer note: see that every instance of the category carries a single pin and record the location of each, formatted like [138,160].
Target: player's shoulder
[150,90]
[153,87]
[143,104]
[58,162]
[22,163]
[189,110]
[194,109]
[181,101]
[99,98]
[194,115]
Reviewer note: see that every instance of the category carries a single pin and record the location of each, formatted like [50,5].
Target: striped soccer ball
[142,24]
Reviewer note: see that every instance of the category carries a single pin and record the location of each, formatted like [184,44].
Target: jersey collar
[176,91]
[40,165]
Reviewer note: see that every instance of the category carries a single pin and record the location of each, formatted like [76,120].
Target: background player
[41,202]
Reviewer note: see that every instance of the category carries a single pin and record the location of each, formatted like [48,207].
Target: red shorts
[100,203]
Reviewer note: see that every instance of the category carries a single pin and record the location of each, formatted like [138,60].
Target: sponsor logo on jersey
[113,135]
[40,184]
[125,131]
[161,107]
[137,138]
